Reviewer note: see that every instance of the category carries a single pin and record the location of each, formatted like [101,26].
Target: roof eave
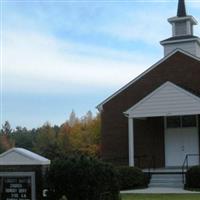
[188,17]
[179,41]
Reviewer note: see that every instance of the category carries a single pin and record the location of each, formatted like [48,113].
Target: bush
[193,178]
[82,178]
[131,178]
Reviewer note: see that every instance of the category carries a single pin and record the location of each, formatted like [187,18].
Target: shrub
[82,178]
[193,178]
[131,178]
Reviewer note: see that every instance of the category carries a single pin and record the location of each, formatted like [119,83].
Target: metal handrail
[185,165]
[150,159]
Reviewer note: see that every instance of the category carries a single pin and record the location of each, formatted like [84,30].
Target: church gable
[179,68]
[167,100]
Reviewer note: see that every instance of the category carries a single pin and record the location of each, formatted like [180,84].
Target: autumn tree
[6,141]
[85,135]
[45,143]
[63,141]
[75,135]
[72,119]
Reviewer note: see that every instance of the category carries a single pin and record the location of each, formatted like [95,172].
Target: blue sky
[59,56]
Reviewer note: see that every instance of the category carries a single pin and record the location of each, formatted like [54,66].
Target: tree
[63,140]
[85,135]
[88,117]
[75,135]
[72,119]
[45,143]
[6,142]
[6,128]
[91,137]
[20,130]
[23,137]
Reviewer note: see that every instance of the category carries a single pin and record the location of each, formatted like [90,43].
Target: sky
[59,56]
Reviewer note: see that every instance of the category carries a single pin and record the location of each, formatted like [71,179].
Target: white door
[178,143]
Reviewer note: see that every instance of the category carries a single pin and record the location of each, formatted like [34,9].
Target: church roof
[181,36]
[100,106]
[181,9]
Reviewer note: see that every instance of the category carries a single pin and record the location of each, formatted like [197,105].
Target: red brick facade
[179,69]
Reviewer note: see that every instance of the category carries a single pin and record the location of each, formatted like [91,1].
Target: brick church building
[155,119]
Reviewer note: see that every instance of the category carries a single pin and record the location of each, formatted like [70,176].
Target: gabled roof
[100,106]
[20,156]
[167,100]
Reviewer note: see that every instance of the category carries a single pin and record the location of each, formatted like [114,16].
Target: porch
[172,177]
[164,126]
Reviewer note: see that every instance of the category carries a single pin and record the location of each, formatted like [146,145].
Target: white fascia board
[180,41]
[189,17]
[100,106]
[163,115]
[127,113]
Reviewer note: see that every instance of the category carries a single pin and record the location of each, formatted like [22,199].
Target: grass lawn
[161,197]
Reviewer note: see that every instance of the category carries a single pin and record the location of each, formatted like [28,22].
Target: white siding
[197,50]
[167,100]
[190,47]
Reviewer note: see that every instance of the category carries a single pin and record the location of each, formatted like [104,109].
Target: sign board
[17,185]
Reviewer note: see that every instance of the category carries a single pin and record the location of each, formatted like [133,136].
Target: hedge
[82,178]
[131,178]
[193,178]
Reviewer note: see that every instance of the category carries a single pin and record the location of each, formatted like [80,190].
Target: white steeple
[182,33]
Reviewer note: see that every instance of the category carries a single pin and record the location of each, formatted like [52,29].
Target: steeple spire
[182,33]
[181,9]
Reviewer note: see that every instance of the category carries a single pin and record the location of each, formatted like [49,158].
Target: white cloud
[35,62]
[134,23]
[143,26]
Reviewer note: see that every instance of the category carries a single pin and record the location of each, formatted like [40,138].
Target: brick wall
[179,69]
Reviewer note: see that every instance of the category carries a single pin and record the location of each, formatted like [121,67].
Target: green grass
[161,197]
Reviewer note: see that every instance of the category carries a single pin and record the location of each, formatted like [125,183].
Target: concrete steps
[166,180]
